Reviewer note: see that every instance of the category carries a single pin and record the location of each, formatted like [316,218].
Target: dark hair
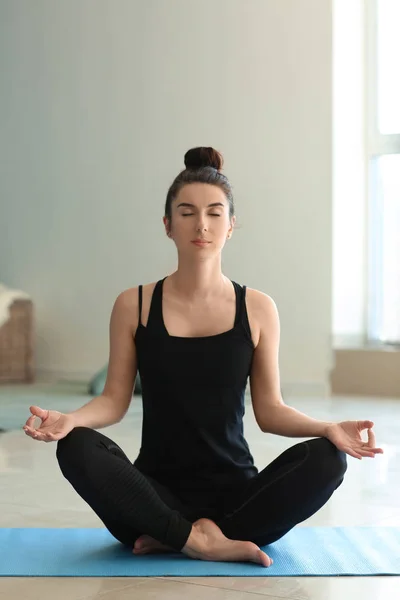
[203,165]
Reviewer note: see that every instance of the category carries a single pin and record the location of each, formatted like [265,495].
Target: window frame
[377,145]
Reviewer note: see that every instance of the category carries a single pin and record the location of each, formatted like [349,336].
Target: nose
[201,224]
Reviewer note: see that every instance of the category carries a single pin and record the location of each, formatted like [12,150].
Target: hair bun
[198,158]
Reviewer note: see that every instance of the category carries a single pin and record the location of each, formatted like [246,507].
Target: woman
[196,337]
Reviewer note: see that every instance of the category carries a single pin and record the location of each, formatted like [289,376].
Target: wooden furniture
[16,344]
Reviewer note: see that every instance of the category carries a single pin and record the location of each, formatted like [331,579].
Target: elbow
[264,425]
[265,428]
[118,407]
[120,416]
[273,416]
[120,412]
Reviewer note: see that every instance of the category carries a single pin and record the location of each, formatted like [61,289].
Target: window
[383,162]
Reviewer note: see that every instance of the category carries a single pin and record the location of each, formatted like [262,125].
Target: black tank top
[193,391]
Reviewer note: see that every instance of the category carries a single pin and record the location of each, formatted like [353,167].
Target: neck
[199,280]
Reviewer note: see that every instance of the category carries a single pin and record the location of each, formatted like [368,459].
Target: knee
[330,462]
[71,446]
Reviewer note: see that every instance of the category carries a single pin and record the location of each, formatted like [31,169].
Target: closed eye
[190,214]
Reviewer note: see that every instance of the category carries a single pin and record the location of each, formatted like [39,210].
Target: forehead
[201,194]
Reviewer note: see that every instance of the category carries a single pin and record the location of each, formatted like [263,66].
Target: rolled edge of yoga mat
[97,383]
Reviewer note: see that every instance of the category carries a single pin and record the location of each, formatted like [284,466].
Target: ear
[167,226]
[230,230]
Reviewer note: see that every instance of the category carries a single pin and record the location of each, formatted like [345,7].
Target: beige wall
[101,100]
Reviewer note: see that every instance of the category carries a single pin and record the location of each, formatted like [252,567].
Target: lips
[200,242]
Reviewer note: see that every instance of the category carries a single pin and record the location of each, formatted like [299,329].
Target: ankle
[197,540]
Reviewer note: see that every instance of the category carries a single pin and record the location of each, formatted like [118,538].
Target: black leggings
[288,491]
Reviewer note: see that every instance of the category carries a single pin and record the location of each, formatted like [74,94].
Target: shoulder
[262,314]
[260,303]
[130,296]
[126,305]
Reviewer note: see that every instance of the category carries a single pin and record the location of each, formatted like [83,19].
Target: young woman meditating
[196,337]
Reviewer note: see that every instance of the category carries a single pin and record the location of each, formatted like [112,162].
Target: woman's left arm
[271,413]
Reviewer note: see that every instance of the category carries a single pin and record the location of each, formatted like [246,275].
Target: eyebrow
[187,204]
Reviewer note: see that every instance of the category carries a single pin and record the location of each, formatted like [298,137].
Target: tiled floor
[33,493]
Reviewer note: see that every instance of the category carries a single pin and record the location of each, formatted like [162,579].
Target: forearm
[99,412]
[289,422]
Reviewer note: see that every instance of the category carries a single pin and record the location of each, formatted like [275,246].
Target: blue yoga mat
[304,551]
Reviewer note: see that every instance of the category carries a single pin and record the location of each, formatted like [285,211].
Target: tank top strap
[140,304]
[241,309]
[155,321]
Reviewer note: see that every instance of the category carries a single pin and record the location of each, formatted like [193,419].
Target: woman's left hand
[346,436]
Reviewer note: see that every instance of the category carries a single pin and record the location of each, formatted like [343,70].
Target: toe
[264,559]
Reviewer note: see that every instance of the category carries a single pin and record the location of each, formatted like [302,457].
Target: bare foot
[146,545]
[207,542]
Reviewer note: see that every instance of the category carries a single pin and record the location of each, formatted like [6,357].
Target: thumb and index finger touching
[371,435]
[37,412]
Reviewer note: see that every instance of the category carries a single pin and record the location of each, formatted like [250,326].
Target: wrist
[75,418]
[326,428]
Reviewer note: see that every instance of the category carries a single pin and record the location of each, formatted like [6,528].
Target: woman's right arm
[111,406]
[113,403]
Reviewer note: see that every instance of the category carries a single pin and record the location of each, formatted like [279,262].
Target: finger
[28,430]
[372,443]
[365,450]
[31,435]
[365,425]
[366,453]
[371,438]
[35,434]
[352,452]
[40,437]
[31,432]
[30,421]
[39,413]
[374,450]
[48,437]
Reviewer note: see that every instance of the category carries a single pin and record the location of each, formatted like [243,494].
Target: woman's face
[200,219]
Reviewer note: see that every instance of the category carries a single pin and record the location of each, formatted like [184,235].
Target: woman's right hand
[54,425]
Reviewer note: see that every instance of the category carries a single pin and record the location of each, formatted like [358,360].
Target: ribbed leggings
[289,490]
